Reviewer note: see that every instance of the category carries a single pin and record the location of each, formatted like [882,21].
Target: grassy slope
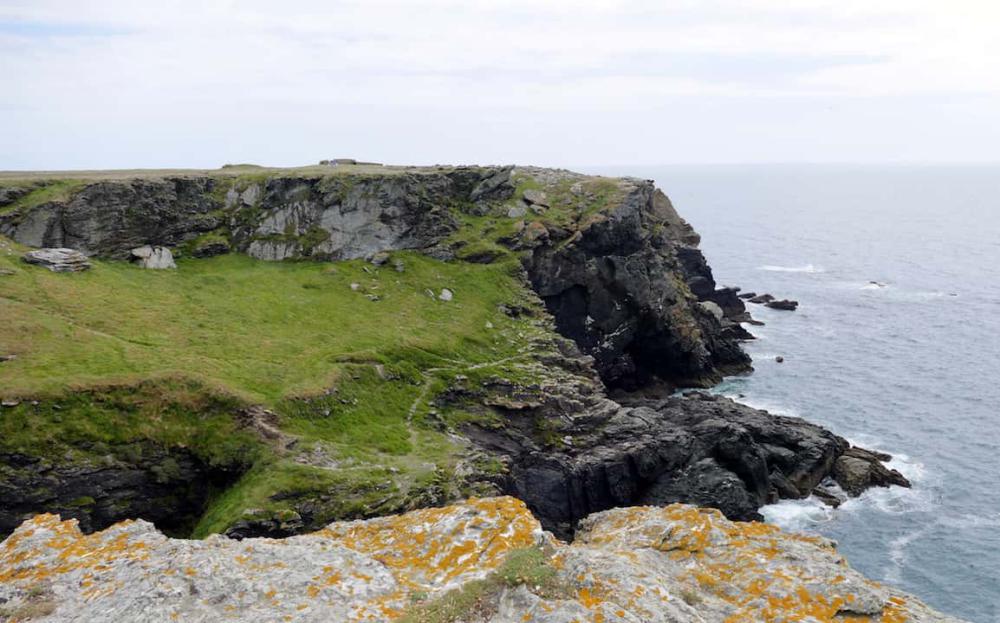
[279,334]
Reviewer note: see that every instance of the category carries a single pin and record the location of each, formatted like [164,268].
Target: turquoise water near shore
[910,366]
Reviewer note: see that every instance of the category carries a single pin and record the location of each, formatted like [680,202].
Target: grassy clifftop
[347,355]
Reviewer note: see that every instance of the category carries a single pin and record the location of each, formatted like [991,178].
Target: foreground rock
[678,564]
[58,260]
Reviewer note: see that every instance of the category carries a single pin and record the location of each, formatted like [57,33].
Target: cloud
[128,65]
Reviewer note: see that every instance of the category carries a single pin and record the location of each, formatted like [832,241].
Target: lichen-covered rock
[677,564]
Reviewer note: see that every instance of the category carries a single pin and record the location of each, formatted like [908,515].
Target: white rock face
[640,565]
[446,295]
[156,258]
[58,260]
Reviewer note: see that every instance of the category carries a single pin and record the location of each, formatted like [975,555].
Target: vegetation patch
[527,567]
[43,191]
[348,357]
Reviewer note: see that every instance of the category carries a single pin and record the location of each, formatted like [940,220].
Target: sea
[895,346]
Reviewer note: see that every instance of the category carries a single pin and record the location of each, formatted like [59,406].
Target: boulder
[517,211]
[155,258]
[858,469]
[58,260]
[784,304]
[747,295]
[536,197]
[761,299]
[380,258]
[446,294]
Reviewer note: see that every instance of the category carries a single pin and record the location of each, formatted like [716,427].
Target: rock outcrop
[58,260]
[613,261]
[626,286]
[155,258]
[678,564]
[571,452]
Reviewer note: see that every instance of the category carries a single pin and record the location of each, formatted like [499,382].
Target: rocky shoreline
[623,307]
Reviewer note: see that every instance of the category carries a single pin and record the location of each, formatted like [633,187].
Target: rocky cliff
[571,289]
[611,258]
[483,560]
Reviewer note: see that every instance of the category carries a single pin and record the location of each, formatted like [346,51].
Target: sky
[120,83]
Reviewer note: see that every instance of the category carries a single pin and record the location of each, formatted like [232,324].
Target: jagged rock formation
[678,564]
[571,451]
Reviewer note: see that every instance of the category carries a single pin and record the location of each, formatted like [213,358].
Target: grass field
[348,355]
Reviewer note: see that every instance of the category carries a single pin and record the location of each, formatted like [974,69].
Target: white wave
[808,268]
[797,515]
[965,522]
[897,553]
[763,405]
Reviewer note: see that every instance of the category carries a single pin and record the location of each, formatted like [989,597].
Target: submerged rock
[58,260]
[784,304]
[677,564]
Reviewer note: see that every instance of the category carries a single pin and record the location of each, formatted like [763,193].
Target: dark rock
[10,194]
[760,299]
[779,359]
[783,304]
[169,487]
[747,295]
[827,497]
[58,260]
[857,470]
[700,449]
[211,249]
[617,288]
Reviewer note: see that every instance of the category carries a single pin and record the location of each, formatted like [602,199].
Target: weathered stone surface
[58,260]
[536,197]
[154,258]
[677,564]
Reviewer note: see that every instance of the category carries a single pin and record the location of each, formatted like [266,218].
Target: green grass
[349,356]
[261,330]
[122,419]
[118,355]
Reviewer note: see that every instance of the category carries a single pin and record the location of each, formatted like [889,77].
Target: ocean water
[911,366]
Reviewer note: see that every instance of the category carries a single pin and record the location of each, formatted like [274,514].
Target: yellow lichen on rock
[637,565]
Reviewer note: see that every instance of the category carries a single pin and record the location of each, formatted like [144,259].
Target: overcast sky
[554,82]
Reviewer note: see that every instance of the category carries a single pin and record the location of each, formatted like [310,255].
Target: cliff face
[481,561]
[570,285]
[603,253]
